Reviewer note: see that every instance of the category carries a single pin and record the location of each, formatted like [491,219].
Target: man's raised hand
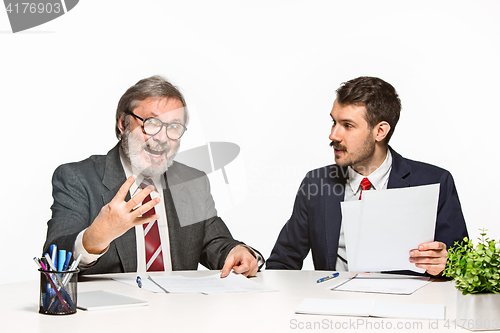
[117,217]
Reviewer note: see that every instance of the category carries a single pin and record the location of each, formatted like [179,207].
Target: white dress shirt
[379,179]
[89,259]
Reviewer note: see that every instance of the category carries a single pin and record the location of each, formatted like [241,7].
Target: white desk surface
[252,312]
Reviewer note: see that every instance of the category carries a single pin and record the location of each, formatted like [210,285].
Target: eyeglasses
[152,126]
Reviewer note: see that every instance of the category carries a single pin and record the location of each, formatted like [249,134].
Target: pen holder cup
[58,292]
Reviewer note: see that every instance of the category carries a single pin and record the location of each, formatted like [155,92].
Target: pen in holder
[58,291]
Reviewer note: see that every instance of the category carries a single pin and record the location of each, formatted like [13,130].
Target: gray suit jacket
[81,189]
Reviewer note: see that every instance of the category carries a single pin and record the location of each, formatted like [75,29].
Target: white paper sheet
[371,308]
[382,228]
[105,299]
[396,284]
[213,284]
[351,220]
[332,307]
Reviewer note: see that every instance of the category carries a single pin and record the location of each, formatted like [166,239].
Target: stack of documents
[384,226]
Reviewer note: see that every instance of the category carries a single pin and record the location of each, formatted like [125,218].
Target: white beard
[133,145]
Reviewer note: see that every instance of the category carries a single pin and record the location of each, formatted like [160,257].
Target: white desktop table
[249,312]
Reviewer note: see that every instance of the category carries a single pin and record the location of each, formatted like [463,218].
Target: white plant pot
[478,312]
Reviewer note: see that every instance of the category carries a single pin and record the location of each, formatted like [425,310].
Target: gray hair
[155,87]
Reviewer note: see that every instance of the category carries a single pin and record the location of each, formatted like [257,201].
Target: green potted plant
[476,272]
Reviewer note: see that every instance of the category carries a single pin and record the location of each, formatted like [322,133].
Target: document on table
[390,284]
[213,284]
[373,308]
[105,299]
[382,228]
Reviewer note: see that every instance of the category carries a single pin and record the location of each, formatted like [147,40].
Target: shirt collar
[130,170]
[378,178]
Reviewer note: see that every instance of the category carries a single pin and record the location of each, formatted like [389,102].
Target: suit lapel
[333,214]
[399,172]
[174,187]
[113,179]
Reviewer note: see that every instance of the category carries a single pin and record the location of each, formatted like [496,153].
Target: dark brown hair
[380,99]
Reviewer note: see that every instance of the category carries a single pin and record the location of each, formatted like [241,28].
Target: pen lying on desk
[326,278]
[349,279]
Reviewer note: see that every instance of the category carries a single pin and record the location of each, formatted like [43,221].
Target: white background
[261,74]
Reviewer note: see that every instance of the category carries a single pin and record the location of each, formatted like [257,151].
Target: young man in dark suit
[364,115]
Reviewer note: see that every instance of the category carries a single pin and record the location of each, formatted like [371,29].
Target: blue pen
[53,255]
[51,252]
[62,260]
[73,266]
[326,278]
[139,282]
[68,258]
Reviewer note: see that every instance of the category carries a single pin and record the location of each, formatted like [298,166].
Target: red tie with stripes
[154,256]
[365,185]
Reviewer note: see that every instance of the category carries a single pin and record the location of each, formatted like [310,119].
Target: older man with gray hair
[136,209]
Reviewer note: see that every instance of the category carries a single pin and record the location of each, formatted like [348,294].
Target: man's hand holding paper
[430,256]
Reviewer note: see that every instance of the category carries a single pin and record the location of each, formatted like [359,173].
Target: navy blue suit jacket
[316,217]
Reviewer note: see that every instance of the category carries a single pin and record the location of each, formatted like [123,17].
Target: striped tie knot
[146,182]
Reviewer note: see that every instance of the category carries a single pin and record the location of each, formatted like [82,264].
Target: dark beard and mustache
[335,145]
[133,146]
[357,155]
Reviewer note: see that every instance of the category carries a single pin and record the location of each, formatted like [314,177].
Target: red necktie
[154,256]
[365,185]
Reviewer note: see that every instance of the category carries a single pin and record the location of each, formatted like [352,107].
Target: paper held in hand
[381,229]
